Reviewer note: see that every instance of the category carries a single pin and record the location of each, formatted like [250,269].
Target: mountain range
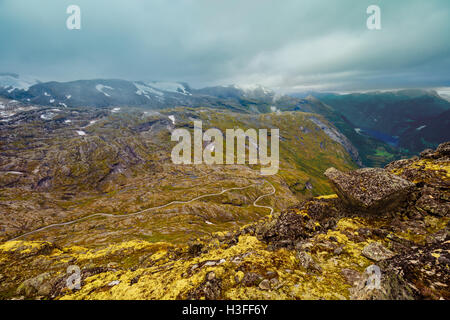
[86,179]
[397,117]
[378,127]
[116,92]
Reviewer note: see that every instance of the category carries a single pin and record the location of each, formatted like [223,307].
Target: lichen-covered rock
[307,262]
[265,285]
[369,189]
[286,228]
[443,150]
[423,269]
[391,287]
[352,276]
[209,290]
[377,252]
[38,285]
[434,202]
[251,279]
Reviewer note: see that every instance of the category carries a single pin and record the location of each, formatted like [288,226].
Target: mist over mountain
[115,92]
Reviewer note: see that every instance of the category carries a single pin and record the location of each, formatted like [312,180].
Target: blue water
[391,140]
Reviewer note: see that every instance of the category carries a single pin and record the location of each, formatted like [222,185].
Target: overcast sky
[289,45]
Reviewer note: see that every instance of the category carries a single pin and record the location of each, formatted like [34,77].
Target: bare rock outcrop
[442,151]
[369,189]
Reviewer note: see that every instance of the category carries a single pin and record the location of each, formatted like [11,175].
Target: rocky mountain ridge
[117,92]
[321,248]
[63,164]
[412,119]
[378,127]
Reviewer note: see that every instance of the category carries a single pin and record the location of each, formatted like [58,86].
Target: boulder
[38,285]
[392,287]
[251,279]
[376,252]
[265,285]
[207,290]
[370,189]
[352,276]
[307,262]
[442,151]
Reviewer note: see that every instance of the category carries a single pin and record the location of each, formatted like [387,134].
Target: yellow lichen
[330,196]
[22,247]
[431,165]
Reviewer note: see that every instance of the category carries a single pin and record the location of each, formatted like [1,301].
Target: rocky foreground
[384,235]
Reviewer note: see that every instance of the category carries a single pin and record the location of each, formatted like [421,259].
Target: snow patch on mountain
[146,91]
[90,123]
[421,127]
[169,87]
[48,116]
[14,81]
[101,88]
[151,113]
[275,110]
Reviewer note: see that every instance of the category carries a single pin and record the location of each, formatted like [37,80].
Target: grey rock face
[376,252]
[392,287]
[369,189]
[335,135]
[443,150]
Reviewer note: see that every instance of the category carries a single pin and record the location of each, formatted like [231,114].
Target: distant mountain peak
[12,81]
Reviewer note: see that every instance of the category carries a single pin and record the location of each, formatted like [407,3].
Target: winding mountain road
[108,215]
[263,196]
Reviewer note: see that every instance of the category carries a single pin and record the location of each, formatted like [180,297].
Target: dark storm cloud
[289,44]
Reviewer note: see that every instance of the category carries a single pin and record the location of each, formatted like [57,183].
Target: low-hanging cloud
[288,45]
